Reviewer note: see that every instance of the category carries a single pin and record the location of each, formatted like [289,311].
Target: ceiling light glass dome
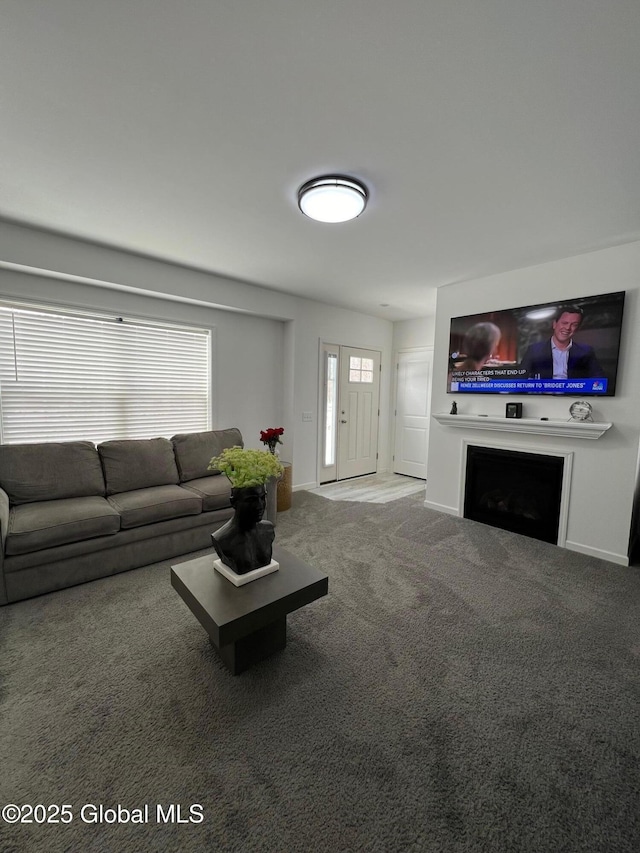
[332,198]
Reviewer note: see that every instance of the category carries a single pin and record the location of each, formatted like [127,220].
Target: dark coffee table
[247,623]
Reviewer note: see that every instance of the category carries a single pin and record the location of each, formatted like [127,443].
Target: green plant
[246,468]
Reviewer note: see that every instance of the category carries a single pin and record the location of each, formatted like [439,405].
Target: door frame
[322,344]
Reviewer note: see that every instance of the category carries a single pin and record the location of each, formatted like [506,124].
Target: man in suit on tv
[561,357]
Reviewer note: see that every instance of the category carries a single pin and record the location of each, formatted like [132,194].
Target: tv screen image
[568,347]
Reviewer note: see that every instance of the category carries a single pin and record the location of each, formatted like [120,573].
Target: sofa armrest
[4,528]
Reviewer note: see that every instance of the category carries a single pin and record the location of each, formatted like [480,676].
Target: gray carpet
[461,688]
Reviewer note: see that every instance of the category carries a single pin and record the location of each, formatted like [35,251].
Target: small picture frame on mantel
[513,410]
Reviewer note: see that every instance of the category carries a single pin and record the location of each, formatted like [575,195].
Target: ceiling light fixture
[332,198]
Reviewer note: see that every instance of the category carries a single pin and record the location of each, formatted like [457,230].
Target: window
[360,369]
[66,376]
[331,408]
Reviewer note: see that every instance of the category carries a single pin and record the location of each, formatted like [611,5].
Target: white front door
[413,400]
[358,400]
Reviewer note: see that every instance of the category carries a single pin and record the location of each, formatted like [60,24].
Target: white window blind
[65,377]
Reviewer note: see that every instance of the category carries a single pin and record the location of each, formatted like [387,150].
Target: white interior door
[413,400]
[359,396]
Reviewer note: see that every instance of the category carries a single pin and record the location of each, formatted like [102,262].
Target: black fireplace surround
[515,491]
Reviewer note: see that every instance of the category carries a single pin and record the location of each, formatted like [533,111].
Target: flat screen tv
[567,347]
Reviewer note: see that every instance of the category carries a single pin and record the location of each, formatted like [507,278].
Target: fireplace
[516,491]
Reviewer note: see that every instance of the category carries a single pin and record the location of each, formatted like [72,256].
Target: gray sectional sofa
[72,512]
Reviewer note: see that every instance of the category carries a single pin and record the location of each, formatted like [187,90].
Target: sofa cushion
[50,471]
[45,524]
[131,464]
[194,450]
[215,492]
[145,506]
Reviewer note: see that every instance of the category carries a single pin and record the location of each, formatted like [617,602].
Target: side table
[285,488]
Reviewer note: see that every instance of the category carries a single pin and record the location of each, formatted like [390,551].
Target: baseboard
[304,487]
[609,556]
[450,510]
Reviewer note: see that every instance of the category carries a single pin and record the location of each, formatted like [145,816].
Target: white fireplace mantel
[535,426]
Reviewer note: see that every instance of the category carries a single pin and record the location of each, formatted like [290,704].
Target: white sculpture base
[247,577]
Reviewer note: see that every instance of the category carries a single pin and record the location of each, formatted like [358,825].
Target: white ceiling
[493,134]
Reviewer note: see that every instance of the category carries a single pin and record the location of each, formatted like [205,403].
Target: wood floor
[373,488]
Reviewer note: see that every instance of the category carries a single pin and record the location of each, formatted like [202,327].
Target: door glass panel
[331,403]
[360,369]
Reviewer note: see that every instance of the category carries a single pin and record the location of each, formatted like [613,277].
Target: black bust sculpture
[245,542]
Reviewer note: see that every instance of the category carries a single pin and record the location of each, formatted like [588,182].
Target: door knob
[343,422]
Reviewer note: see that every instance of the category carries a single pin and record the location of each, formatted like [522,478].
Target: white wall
[414,334]
[604,471]
[267,347]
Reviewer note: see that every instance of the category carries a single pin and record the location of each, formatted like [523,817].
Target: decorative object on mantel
[454,408]
[271,437]
[533,426]
[244,543]
[581,411]
[513,410]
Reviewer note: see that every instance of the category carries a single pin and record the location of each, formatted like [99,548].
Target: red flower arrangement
[271,437]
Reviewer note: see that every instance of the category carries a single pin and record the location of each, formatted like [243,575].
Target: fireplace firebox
[515,491]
